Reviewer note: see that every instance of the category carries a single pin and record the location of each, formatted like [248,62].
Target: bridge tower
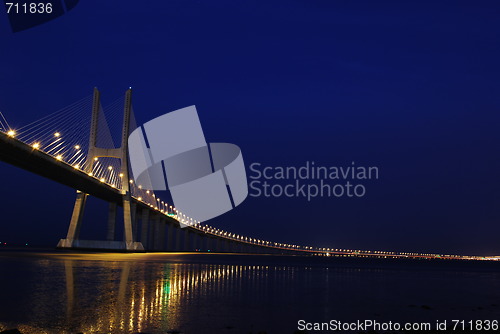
[72,239]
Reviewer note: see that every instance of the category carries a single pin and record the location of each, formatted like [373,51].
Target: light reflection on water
[158,293]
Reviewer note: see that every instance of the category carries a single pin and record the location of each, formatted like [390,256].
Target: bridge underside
[153,231]
[24,156]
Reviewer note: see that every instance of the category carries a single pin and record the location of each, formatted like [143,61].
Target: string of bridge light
[70,151]
[111,175]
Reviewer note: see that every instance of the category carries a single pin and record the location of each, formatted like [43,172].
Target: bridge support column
[178,246]
[240,247]
[170,238]
[133,207]
[203,242]
[163,226]
[156,238]
[210,244]
[76,221]
[94,152]
[111,236]
[145,228]
[127,222]
[187,240]
[195,241]
[199,241]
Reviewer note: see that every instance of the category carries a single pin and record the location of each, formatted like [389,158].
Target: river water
[62,292]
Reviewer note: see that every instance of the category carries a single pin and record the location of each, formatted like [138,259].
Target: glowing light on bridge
[49,141]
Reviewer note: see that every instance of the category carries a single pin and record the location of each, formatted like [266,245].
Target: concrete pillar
[161,233]
[145,228]
[187,239]
[77,217]
[195,239]
[134,221]
[163,228]
[241,247]
[211,244]
[170,237]
[178,233]
[201,242]
[155,231]
[111,236]
[127,222]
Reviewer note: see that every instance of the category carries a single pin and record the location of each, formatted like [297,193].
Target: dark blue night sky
[409,86]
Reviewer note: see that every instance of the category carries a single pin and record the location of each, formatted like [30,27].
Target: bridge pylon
[94,152]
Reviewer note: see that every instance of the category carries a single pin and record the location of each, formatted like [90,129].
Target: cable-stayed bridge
[75,147]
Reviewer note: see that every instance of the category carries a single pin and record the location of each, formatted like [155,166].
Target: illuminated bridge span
[76,148]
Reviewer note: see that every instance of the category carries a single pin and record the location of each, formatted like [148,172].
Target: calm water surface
[57,292]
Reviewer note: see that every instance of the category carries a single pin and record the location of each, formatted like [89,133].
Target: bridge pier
[239,247]
[111,236]
[128,244]
[196,242]
[200,242]
[127,221]
[153,232]
[76,221]
[187,239]
[170,238]
[178,235]
[144,227]
[134,221]
[158,233]
[209,243]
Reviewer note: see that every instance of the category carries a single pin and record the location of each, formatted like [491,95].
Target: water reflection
[127,297]
[96,293]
